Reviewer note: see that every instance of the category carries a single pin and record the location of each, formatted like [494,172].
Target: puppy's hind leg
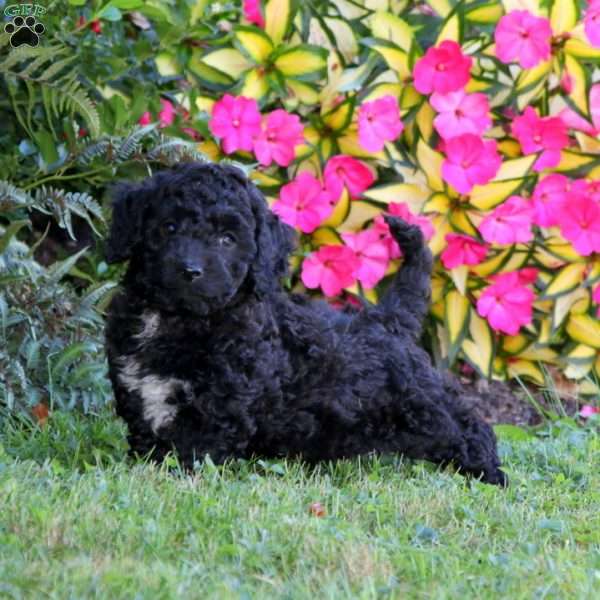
[440,429]
[407,298]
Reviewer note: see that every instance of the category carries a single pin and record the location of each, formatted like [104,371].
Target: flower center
[440,67]
[537,138]
[524,34]
[235,122]
[270,136]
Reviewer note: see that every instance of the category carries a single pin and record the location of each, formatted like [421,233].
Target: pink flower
[145,119]
[579,222]
[587,410]
[166,116]
[253,12]
[460,113]
[443,69]
[342,170]
[592,23]
[574,120]
[462,250]
[596,298]
[331,268]
[548,196]
[236,121]
[508,223]
[534,134]
[523,37]
[303,203]
[379,122]
[276,142]
[506,304]
[469,161]
[372,255]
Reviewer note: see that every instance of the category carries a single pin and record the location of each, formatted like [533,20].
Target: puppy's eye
[226,240]
[169,228]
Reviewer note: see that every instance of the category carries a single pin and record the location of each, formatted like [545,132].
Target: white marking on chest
[150,324]
[154,392]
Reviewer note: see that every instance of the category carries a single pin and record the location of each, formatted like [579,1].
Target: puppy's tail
[406,301]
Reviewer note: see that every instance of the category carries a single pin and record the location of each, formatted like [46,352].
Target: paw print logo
[24,31]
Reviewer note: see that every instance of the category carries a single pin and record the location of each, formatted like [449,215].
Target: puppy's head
[197,237]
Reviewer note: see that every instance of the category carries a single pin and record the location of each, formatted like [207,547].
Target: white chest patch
[154,392]
[150,325]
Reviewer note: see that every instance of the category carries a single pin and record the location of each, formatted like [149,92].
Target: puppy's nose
[193,272]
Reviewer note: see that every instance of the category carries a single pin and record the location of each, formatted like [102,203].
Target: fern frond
[131,143]
[173,151]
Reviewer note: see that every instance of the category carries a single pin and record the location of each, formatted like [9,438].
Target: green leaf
[304,62]
[10,232]
[512,433]
[253,42]
[110,13]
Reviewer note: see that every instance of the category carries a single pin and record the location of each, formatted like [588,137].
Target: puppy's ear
[127,218]
[274,239]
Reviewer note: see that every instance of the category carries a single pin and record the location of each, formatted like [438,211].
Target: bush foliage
[117,89]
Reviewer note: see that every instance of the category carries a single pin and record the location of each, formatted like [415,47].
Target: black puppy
[209,355]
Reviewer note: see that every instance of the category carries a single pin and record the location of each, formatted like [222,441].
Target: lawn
[79,520]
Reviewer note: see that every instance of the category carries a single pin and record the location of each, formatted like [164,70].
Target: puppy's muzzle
[192,272]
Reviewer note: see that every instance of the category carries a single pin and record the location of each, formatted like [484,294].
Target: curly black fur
[208,355]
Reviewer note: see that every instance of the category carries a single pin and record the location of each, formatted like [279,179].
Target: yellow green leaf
[253,42]
[580,49]
[211,78]
[326,236]
[459,277]
[278,16]
[302,62]
[525,369]
[414,195]
[493,264]
[571,160]
[441,227]
[340,116]
[360,213]
[166,64]
[579,92]
[531,82]
[441,7]
[394,56]
[584,329]
[491,194]
[459,219]
[255,85]
[227,60]
[439,203]
[563,305]
[430,162]
[513,344]
[456,319]
[563,16]
[486,14]
[389,27]
[340,211]
[538,353]
[479,350]
[566,280]
[304,92]
[451,29]
[424,120]
[515,168]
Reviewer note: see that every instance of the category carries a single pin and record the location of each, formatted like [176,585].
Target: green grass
[78,520]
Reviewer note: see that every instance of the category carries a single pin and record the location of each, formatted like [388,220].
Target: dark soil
[499,402]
